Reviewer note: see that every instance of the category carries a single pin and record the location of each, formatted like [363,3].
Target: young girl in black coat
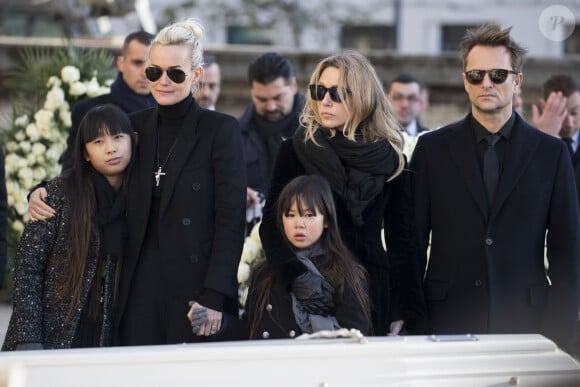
[307,216]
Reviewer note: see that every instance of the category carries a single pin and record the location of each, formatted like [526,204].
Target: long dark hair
[80,194]
[339,266]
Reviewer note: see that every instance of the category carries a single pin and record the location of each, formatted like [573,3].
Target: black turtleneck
[170,123]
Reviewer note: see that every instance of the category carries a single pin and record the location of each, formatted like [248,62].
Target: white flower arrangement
[252,253]
[36,141]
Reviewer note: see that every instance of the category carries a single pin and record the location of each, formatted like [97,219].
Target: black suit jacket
[202,210]
[486,270]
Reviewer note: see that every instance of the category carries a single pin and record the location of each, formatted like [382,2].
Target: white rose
[250,251]
[25,146]
[32,132]
[11,159]
[45,133]
[20,136]
[18,226]
[21,121]
[93,88]
[53,153]
[53,81]
[70,74]
[77,89]
[20,163]
[38,148]
[243,273]
[10,187]
[39,174]
[54,98]
[21,207]
[11,146]
[44,118]
[30,159]
[65,117]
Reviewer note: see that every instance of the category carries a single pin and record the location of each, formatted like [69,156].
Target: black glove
[314,293]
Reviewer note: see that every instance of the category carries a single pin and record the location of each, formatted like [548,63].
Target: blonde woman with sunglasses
[350,136]
[185,207]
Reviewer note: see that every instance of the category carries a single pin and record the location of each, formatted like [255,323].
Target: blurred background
[416,36]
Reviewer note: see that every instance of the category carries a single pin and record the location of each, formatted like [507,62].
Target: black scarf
[110,214]
[357,172]
[127,99]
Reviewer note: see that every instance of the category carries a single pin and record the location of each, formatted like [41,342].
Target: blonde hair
[369,114]
[187,32]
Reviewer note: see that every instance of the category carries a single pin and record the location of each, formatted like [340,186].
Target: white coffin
[491,360]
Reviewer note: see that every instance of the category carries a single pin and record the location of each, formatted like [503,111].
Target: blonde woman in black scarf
[350,136]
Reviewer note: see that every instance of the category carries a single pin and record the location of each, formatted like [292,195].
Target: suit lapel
[186,139]
[461,147]
[523,144]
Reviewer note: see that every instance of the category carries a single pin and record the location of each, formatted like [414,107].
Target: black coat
[394,275]
[485,273]
[202,208]
[278,321]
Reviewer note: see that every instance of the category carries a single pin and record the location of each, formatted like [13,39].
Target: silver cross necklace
[159,171]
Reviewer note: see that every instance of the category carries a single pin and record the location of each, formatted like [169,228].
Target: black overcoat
[486,271]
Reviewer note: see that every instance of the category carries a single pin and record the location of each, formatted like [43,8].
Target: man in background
[271,117]
[407,98]
[208,90]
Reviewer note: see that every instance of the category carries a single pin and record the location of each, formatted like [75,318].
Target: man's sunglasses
[317,93]
[497,76]
[154,74]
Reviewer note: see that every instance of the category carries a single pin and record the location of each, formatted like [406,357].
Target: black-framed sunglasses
[154,73]
[317,92]
[497,76]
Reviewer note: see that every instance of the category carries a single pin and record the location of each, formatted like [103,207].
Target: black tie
[568,142]
[490,166]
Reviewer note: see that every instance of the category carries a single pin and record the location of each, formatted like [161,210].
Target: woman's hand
[204,321]
[396,327]
[37,208]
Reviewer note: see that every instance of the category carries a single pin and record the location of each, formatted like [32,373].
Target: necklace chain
[159,171]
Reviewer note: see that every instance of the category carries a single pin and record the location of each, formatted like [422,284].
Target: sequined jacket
[39,313]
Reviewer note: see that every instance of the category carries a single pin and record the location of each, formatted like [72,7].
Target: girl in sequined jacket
[65,267]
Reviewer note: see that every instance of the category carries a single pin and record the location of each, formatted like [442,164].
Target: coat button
[292,333]
[489,241]
[269,307]
[265,335]
[186,221]
[196,186]
[194,258]
[478,283]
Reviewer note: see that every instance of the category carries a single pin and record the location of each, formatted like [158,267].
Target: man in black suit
[490,209]
[130,90]
[405,94]
[566,125]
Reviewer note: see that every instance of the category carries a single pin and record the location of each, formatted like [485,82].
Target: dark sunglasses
[154,73]
[497,76]
[317,93]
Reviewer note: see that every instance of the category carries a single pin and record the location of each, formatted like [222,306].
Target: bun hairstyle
[187,32]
